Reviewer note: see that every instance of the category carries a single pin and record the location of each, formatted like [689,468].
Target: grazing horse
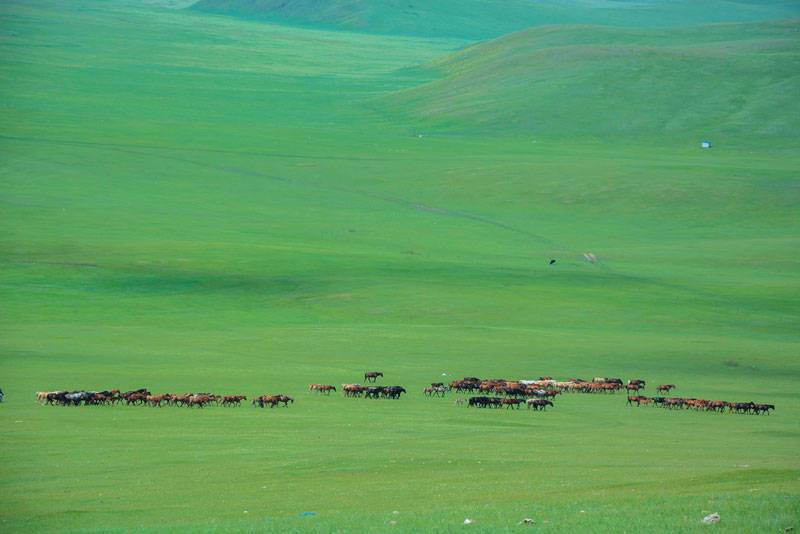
[372,376]
[434,391]
[665,388]
[633,386]
[324,388]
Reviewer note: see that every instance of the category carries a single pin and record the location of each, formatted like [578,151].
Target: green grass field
[195,202]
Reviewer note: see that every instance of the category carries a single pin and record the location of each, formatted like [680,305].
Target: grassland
[193,202]
[729,82]
[483,19]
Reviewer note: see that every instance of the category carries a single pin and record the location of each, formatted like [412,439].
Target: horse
[479,402]
[233,400]
[434,391]
[511,403]
[373,392]
[199,400]
[155,400]
[538,404]
[665,388]
[372,376]
[637,399]
[352,390]
[759,408]
[393,392]
[325,388]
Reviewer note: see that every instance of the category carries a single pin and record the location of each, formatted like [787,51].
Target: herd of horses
[373,392]
[718,406]
[508,402]
[537,395]
[544,386]
[143,397]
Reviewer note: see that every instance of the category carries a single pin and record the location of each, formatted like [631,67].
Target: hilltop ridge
[483,19]
[731,80]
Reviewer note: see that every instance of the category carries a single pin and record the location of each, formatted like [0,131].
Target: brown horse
[156,400]
[665,388]
[511,403]
[199,400]
[325,389]
[372,376]
[233,400]
[272,400]
[352,390]
[538,404]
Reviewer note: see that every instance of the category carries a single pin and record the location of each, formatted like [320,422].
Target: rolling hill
[481,19]
[731,81]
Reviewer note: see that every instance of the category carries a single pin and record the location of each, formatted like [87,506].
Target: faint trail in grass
[136,150]
[281,155]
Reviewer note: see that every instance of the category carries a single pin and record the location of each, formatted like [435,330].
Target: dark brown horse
[512,403]
[538,404]
[372,376]
[233,400]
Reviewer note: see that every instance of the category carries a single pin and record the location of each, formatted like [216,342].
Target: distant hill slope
[481,19]
[735,81]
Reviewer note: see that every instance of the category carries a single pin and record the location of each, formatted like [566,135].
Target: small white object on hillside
[468,521]
[712,518]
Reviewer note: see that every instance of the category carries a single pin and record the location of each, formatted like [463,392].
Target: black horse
[393,392]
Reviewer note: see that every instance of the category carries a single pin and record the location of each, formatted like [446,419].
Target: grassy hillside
[193,202]
[733,83]
[481,19]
